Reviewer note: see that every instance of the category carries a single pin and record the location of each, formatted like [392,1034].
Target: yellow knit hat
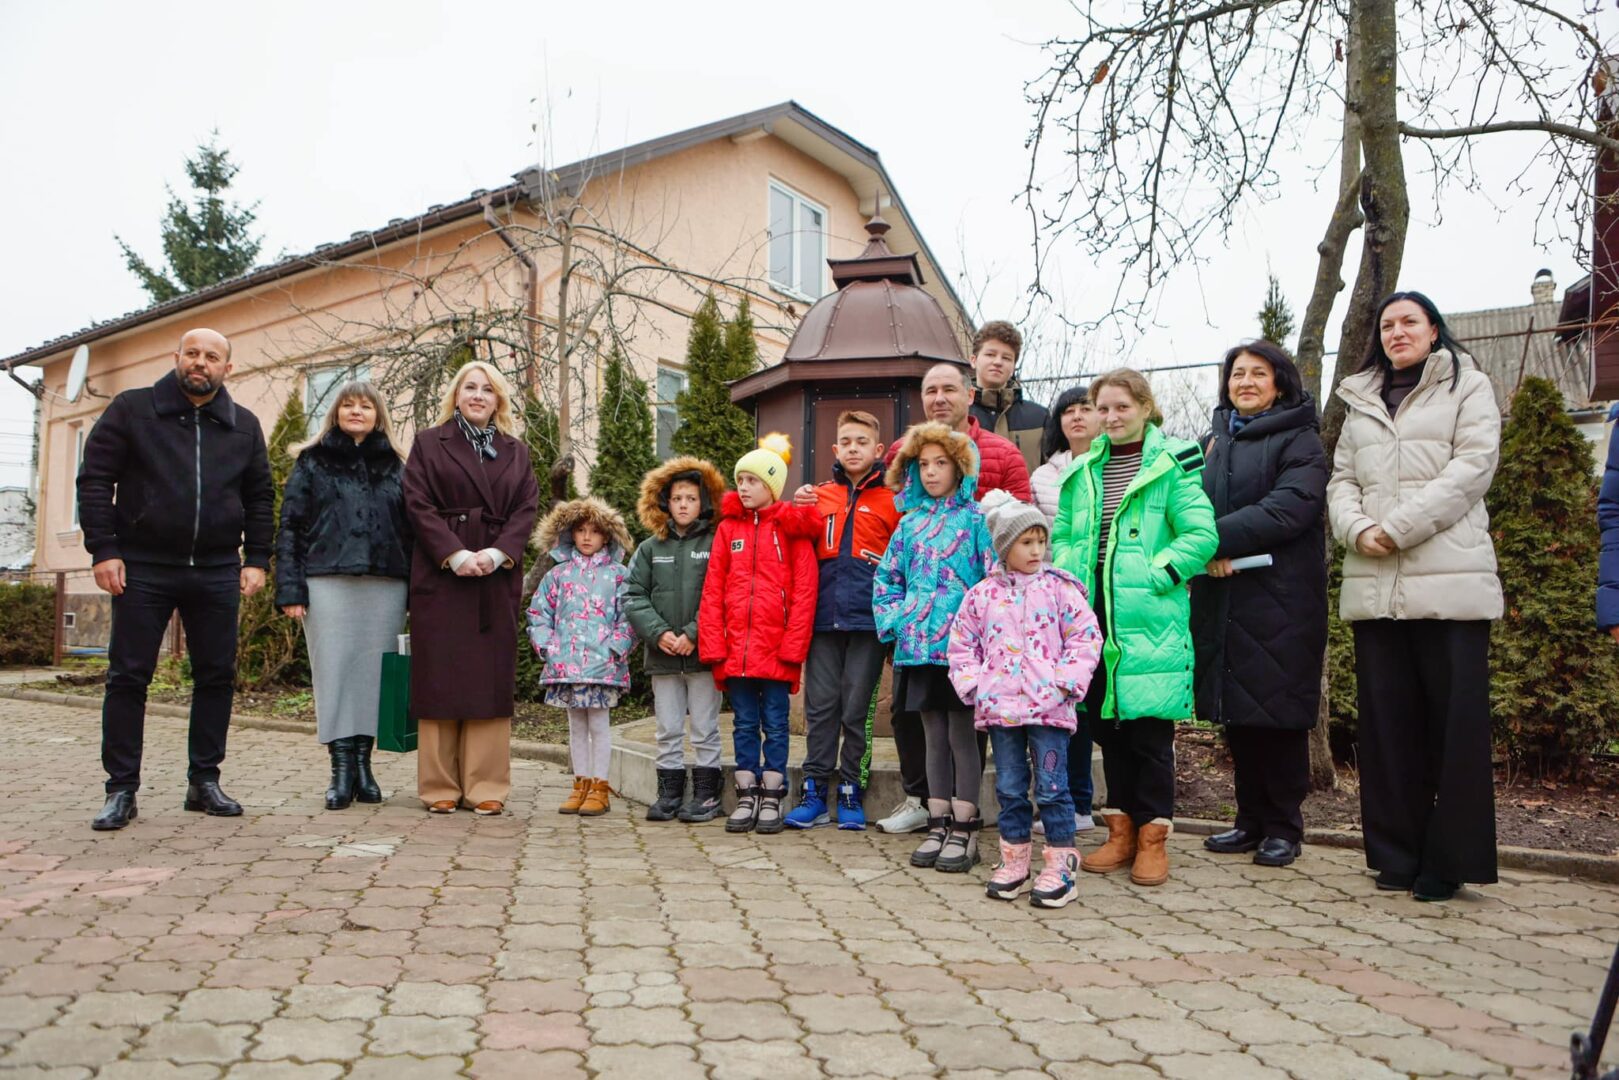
[769,462]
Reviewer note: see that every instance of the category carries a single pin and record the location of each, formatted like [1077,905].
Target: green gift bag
[396,724]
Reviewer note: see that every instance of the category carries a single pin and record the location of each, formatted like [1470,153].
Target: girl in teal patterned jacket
[939,551]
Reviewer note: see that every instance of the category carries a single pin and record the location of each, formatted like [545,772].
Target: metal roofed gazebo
[864,346]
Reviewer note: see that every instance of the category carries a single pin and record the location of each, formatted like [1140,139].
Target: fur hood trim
[653,506]
[555,533]
[958,446]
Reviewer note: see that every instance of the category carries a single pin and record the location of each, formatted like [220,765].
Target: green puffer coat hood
[665,581]
[1162,535]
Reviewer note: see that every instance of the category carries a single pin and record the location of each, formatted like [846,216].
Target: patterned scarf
[482,439]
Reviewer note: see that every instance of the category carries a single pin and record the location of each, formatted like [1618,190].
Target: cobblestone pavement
[380,941]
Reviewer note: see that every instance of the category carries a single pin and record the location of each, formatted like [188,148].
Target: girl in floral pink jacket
[1023,647]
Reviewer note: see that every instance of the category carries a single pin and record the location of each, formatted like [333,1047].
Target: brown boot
[1119,850]
[581,788]
[597,800]
[1152,857]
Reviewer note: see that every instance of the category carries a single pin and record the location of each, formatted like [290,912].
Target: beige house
[618,249]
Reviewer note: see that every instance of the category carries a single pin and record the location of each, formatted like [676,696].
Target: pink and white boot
[1012,873]
[1056,886]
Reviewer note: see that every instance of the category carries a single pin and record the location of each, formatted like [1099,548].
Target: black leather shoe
[1231,842]
[344,756]
[1432,890]
[1389,881]
[207,797]
[1274,851]
[119,811]
[365,783]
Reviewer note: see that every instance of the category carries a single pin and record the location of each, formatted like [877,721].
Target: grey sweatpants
[673,696]
[955,769]
[840,680]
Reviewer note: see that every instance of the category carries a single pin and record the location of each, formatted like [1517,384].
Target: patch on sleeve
[1190,458]
[738,545]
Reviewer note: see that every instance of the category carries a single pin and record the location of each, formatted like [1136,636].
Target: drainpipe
[531,278]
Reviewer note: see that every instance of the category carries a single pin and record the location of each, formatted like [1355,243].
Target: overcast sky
[343,115]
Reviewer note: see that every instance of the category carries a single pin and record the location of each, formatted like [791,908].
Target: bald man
[176,504]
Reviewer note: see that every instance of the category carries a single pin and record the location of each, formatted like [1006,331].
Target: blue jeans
[1080,784]
[760,709]
[1047,749]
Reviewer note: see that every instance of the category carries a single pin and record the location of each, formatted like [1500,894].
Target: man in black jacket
[999,403]
[176,504]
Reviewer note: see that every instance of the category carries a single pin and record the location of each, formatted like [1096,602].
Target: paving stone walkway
[382,942]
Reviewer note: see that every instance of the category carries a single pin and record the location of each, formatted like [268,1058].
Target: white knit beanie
[1007,519]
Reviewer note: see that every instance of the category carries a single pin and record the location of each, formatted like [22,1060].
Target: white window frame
[344,372]
[796,288]
[79,433]
[659,404]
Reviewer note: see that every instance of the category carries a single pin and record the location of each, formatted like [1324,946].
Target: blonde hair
[1135,384]
[354,388]
[505,417]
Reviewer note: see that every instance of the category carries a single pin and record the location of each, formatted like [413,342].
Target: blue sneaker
[851,808]
[810,813]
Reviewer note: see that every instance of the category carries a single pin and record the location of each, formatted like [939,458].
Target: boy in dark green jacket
[678,502]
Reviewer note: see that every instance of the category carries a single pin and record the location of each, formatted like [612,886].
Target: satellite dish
[77,371]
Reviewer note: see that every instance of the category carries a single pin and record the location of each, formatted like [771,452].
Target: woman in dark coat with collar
[472,499]
[1261,633]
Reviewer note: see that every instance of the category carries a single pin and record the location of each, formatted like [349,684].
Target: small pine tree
[269,647]
[625,446]
[1276,317]
[205,243]
[1555,680]
[710,426]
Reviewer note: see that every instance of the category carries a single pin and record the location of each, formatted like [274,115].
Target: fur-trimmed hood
[555,532]
[653,506]
[905,478]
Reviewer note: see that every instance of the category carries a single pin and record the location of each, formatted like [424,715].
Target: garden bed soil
[1551,815]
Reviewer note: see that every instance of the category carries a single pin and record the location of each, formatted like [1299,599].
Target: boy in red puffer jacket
[754,627]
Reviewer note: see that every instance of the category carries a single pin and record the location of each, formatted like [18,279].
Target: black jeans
[1138,755]
[1427,788]
[1272,768]
[840,680]
[207,599]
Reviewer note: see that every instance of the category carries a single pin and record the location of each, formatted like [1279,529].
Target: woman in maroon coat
[472,498]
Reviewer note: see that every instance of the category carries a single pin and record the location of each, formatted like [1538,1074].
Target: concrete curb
[633,762]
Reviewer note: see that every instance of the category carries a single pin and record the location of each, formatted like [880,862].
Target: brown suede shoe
[489,808]
[581,788]
[597,800]
[443,806]
[1152,857]
[1119,850]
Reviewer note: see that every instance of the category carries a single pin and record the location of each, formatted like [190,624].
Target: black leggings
[955,769]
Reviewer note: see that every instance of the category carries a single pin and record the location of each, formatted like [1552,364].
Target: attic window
[797,244]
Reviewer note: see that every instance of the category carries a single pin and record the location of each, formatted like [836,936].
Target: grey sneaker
[909,816]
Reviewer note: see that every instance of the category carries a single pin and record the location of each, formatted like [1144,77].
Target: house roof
[788,121]
[1494,337]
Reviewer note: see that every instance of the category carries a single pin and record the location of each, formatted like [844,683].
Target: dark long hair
[1377,359]
[1289,383]
[1053,440]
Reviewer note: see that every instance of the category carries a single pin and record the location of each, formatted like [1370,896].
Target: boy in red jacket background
[851,519]
[754,627]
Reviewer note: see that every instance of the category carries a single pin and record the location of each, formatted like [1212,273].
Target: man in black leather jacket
[999,403]
[176,503]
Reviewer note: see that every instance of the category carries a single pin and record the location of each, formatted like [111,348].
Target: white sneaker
[1083,823]
[908,816]
[1039,826]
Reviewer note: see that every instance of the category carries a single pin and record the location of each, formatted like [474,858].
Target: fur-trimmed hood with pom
[576,619]
[555,532]
[653,505]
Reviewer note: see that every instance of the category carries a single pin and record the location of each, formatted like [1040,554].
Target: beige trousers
[464,761]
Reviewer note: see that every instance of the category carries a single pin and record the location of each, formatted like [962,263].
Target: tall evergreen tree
[625,442]
[269,647]
[716,353]
[1276,317]
[1555,680]
[205,242]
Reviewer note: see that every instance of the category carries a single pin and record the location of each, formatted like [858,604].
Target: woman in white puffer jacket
[1413,463]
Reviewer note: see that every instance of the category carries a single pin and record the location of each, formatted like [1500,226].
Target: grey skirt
[351,622]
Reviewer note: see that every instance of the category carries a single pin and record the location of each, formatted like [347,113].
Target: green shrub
[1342,707]
[27,624]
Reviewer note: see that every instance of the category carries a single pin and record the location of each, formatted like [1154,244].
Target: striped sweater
[1117,472]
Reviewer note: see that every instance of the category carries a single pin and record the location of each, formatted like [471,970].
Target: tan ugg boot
[1152,857]
[581,788]
[597,800]
[1119,850]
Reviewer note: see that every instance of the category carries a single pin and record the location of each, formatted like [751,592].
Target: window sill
[792,294]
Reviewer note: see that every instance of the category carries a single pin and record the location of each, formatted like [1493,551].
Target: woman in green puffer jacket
[1134,525]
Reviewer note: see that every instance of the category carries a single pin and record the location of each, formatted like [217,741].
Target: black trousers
[1427,789]
[1272,767]
[1138,756]
[207,599]
[839,681]
[911,744]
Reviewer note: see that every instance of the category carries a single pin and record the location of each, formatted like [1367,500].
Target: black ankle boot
[705,805]
[204,796]
[671,793]
[341,793]
[365,784]
[119,811]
